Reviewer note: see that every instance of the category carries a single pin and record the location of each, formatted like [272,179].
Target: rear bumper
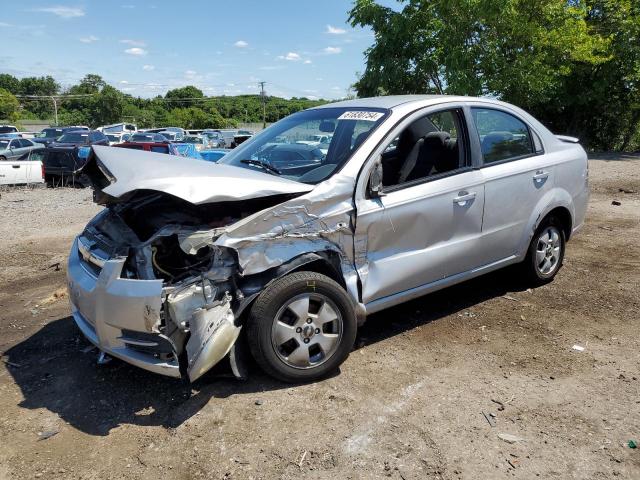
[119,316]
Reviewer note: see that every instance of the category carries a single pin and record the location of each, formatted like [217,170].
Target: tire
[546,252]
[2,158]
[307,345]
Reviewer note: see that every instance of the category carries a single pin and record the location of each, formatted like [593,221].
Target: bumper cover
[105,307]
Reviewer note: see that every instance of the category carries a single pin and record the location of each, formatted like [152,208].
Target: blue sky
[300,48]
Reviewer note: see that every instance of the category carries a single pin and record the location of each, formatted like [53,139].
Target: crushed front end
[147,285]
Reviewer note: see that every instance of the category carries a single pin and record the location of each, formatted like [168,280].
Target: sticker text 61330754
[361,115]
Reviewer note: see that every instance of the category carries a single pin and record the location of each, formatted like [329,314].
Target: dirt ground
[409,403]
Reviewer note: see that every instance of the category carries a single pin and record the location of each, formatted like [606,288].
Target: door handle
[464,197]
[15,166]
[541,175]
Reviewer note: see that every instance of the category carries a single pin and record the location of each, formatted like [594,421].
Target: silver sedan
[17,148]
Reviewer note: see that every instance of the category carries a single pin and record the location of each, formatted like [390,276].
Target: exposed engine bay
[166,238]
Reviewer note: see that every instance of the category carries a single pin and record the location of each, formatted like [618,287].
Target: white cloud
[291,56]
[308,62]
[133,43]
[136,51]
[123,82]
[190,74]
[335,30]
[241,44]
[332,50]
[271,67]
[128,7]
[62,11]
[4,24]
[148,68]
[89,39]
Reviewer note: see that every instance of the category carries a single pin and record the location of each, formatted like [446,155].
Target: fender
[554,198]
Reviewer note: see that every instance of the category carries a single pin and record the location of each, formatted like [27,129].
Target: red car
[146,146]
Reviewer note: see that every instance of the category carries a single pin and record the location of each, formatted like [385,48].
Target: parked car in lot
[16,148]
[177,132]
[157,147]
[76,138]
[216,140]
[61,160]
[22,172]
[116,138]
[147,137]
[52,134]
[416,193]
[8,129]
[200,142]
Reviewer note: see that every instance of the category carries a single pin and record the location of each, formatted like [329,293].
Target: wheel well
[564,217]
[324,267]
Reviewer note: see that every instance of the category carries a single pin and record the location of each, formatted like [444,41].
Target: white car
[28,170]
[415,194]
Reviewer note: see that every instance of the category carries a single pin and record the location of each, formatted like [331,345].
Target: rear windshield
[8,129]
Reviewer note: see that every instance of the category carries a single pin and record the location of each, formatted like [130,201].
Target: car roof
[392,101]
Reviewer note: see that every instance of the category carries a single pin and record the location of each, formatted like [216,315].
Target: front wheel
[546,252]
[302,327]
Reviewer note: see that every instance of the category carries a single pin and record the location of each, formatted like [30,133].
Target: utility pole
[264,105]
[55,108]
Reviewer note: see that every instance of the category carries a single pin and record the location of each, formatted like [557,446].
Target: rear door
[516,173]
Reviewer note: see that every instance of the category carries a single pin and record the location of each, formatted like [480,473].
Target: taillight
[42,169]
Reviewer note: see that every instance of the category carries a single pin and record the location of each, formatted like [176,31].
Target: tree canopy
[575,64]
[94,102]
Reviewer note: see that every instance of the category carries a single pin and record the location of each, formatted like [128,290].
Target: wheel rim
[548,251]
[307,330]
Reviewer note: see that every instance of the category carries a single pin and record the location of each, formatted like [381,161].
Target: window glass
[429,146]
[159,149]
[502,136]
[308,146]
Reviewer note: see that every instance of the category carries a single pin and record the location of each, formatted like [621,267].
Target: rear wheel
[2,158]
[302,327]
[546,252]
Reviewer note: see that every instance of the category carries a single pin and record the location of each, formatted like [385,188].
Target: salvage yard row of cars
[281,248]
[53,155]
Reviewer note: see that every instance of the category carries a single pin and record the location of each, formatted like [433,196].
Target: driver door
[423,230]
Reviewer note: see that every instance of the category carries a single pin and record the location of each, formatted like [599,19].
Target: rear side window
[162,149]
[502,136]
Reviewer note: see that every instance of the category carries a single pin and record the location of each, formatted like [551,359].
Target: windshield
[4,144]
[192,140]
[8,129]
[113,138]
[290,148]
[74,137]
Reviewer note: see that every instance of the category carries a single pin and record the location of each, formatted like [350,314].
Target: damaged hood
[120,171]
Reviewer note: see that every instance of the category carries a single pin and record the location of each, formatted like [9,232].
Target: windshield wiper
[265,165]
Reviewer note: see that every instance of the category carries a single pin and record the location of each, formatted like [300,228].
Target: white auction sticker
[366,116]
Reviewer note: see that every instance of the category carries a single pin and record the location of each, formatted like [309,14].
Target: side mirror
[375,181]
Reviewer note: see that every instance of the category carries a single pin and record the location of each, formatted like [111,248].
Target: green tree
[9,105]
[556,58]
[189,92]
[9,83]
